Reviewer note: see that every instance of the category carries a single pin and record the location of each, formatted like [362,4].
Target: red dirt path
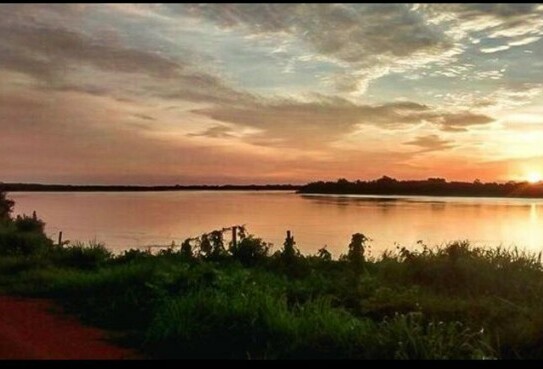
[29,329]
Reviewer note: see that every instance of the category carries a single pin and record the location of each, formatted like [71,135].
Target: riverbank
[455,302]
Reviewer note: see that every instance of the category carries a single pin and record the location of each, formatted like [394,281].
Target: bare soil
[37,329]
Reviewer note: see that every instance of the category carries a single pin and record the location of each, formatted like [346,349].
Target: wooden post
[60,238]
[234,236]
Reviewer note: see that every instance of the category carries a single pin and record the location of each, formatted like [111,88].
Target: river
[135,219]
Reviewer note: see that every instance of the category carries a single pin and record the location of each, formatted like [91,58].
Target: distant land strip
[383,186]
[35,187]
[429,187]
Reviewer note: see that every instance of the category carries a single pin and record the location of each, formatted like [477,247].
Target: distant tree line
[432,187]
[12,187]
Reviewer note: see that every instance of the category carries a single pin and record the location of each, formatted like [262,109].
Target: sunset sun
[534,177]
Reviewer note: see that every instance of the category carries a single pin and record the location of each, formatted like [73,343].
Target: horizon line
[248,184]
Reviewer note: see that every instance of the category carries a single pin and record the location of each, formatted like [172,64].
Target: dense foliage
[429,187]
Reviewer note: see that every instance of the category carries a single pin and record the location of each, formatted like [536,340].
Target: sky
[269,93]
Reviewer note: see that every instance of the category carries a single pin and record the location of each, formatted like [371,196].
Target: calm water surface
[124,220]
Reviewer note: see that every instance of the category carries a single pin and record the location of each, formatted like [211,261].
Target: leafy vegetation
[430,187]
[217,299]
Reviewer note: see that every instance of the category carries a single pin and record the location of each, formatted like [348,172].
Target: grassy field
[211,299]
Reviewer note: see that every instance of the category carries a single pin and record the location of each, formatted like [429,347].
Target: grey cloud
[499,10]
[143,116]
[202,87]
[55,49]
[430,143]
[349,33]
[311,123]
[42,14]
[316,123]
[54,56]
[215,132]
[458,122]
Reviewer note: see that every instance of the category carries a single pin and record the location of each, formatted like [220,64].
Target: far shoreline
[384,187]
[32,187]
[400,196]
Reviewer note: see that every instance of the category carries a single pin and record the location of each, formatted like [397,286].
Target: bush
[29,224]
[250,251]
[81,256]
[6,207]
[14,242]
[132,255]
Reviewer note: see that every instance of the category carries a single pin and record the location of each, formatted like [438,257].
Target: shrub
[81,256]
[25,223]
[14,242]
[250,251]
[132,255]
[6,207]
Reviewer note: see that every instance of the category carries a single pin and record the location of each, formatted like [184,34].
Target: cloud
[509,25]
[490,50]
[350,34]
[143,116]
[218,131]
[65,60]
[310,124]
[458,122]
[430,143]
[58,49]
[346,32]
[64,136]
[500,99]
[317,123]
[69,60]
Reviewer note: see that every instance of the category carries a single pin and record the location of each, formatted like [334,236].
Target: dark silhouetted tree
[289,252]
[205,245]
[186,249]
[356,250]
[6,207]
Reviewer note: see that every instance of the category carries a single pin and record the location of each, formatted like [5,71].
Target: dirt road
[35,329]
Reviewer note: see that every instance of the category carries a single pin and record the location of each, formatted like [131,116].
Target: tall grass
[256,324]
